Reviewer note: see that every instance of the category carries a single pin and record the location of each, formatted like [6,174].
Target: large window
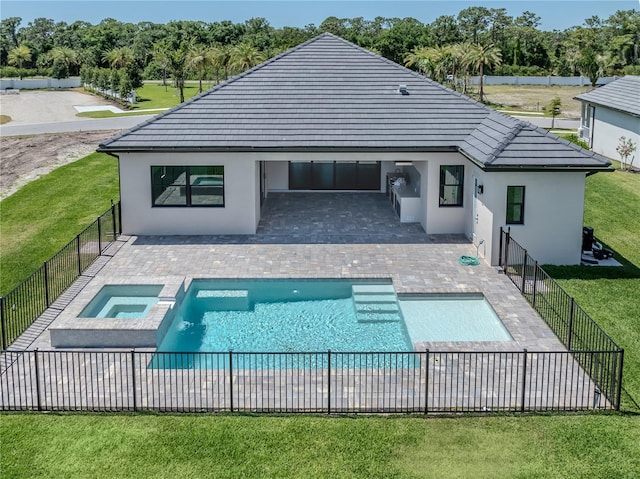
[187,185]
[515,205]
[451,185]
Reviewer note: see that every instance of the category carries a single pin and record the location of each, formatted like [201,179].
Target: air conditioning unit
[581,132]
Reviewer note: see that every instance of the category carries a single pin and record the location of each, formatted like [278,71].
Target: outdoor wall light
[480,189]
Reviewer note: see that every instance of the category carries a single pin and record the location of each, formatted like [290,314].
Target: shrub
[573,138]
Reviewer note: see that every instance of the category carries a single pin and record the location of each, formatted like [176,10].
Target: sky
[555,14]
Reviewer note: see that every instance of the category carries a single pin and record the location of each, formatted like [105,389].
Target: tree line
[478,39]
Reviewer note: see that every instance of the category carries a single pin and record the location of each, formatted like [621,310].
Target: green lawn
[151,96]
[610,295]
[121,445]
[44,215]
[107,446]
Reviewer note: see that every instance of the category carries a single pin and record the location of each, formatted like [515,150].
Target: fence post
[329,381]
[524,381]
[426,384]
[3,324]
[524,273]
[133,379]
[78,251]
[119,217]
[535,284]
[46,283]
[113,219]
[37,373]
[570,333]
[99,237]
[507,238]
[619,391]
[500,247]
[231,379]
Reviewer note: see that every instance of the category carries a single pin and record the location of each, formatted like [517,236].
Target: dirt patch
[26,158]
[535,98]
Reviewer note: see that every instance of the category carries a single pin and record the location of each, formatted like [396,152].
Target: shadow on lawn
[628,270]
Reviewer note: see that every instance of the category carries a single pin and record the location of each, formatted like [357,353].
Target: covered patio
[332,217]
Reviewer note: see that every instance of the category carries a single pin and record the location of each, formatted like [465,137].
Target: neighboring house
[329,115]
[610,112]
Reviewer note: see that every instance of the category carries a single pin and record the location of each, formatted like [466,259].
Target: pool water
[436,318]
[286,316]
[306,316]
[122,302]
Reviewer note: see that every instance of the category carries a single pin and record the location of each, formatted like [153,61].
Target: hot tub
[122,301]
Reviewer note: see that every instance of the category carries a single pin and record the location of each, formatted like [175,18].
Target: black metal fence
[571,324]
[27,301]
[322,382]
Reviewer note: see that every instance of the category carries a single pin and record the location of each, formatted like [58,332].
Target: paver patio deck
[341,235]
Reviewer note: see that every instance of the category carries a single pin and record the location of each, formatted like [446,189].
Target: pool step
[224,299]
[375,303]
[387,307]
[373,289]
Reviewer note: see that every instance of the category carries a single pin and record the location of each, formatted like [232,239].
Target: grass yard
[145,445]
[47,213]
[535,98]
[106,446]
[610,295]
[152,96]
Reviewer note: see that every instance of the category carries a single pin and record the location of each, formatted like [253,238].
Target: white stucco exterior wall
[552,229]
[607,128]
[139,217]
[444,219]
[553,214]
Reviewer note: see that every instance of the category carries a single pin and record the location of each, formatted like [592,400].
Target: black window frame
[520,220]
[188,188]
[460,185]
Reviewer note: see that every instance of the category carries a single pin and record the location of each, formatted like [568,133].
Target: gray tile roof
[329,94]
[622,95]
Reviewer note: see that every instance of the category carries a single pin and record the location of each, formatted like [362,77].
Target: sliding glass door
[334,175]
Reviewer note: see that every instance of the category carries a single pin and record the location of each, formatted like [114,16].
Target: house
[329,115]
[610,112]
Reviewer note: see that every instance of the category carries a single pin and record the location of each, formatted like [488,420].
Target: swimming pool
[451,318]
[287,315]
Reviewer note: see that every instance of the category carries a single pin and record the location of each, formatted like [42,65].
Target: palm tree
[64,56]
[177,63]
[199,59]
[19,56]
[245,56]
[479,57]
[220,58]
[119,57]
[423,58]
[161,56]
[460,53]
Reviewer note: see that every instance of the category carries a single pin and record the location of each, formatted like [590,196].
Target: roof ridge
[513,132]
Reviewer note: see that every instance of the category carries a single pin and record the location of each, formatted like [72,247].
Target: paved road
[91,124]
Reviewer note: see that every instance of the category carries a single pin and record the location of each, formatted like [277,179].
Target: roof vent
[403,90]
